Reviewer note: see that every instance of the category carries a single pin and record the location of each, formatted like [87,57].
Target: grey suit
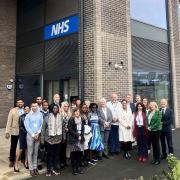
[105,131]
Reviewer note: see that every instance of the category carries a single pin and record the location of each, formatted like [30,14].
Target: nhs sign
[62,27]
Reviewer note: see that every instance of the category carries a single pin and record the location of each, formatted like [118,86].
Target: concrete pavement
[116,168]
[7,173]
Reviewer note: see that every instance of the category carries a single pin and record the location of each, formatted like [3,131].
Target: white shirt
[163,109]
[115,109]
[139,119]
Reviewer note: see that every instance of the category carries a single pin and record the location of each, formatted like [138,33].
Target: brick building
[99,48]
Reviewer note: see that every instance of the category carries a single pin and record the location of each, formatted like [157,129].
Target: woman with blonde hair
[66,114]
[154,127]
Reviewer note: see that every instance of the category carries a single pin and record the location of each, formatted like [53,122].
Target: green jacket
[155,123]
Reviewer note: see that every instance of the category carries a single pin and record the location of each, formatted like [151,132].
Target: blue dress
[96,140]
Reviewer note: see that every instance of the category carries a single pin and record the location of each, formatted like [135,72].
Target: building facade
[87,49]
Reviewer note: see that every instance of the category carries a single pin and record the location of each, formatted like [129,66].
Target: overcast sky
[149,11]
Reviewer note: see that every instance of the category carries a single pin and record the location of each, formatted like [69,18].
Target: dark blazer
[22,129]
[167,120]
[133,107]
[73,134]
[103,119]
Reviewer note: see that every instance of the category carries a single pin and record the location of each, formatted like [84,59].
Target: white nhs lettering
[60,28]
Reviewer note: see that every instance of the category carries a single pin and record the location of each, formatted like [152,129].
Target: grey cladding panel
[61,58]
[149,55]
[30,59]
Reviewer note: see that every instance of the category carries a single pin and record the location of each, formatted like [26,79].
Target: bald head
[163,103]
[56,98]
[114,97]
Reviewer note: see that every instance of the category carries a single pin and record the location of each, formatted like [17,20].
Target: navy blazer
[167,120]
[133,107]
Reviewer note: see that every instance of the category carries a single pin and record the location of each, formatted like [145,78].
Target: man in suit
[166,133]
[56,101]
[129,103]
[105,123]
[12,129]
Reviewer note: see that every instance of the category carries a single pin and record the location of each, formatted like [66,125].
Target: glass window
[151,77]
[28,87]
[150,11]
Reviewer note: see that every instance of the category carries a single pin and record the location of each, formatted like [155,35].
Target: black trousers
[76,159]
[52,156]
[155,138]
[166,137]
[142,143]
[63,152]
[126,146]
[14,141]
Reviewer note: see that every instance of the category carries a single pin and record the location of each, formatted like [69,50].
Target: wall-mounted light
[117,66]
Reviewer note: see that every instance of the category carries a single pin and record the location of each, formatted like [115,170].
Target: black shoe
[163,156]
[105,156]
[126,156]
[11,164]
[129,155]
[16,170]
[157,163]
[153,161]
[74,172]
[79,171]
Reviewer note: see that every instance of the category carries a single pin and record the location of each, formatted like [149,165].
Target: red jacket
[135,130]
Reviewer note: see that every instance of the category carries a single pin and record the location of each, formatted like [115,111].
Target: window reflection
[149,11]
[153,85]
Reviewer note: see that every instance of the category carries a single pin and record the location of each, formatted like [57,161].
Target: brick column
[7,56]
[107,41]
[174,36]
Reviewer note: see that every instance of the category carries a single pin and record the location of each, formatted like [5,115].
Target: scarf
[55,124]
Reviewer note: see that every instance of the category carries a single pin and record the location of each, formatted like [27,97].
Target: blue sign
[61,28]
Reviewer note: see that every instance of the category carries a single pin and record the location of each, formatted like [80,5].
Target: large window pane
[149,11]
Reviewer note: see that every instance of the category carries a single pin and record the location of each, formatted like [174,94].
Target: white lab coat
[125,119]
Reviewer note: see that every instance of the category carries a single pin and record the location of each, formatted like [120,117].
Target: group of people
[86,132]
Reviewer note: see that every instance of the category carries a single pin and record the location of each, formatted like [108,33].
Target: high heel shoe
[26,166]
[16,170]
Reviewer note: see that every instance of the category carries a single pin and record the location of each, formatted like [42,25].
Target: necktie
[163,111]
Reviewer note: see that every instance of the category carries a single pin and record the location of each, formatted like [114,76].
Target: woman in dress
[22,141]
[154,126]
[51,136]
[140,131]
[65,114]
[76,140]
[96,144]
[125,128]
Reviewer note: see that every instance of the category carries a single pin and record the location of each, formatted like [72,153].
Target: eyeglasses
[94,107]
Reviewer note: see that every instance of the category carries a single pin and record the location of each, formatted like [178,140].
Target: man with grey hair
[105,124]
[166,133]
[115,106]
[56,101]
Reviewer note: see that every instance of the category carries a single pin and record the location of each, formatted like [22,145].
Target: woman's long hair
[143,107]
[62,108]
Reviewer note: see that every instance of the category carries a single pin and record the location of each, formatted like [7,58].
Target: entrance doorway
[67,89]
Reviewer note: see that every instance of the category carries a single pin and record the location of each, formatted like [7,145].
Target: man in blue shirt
[33,124]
